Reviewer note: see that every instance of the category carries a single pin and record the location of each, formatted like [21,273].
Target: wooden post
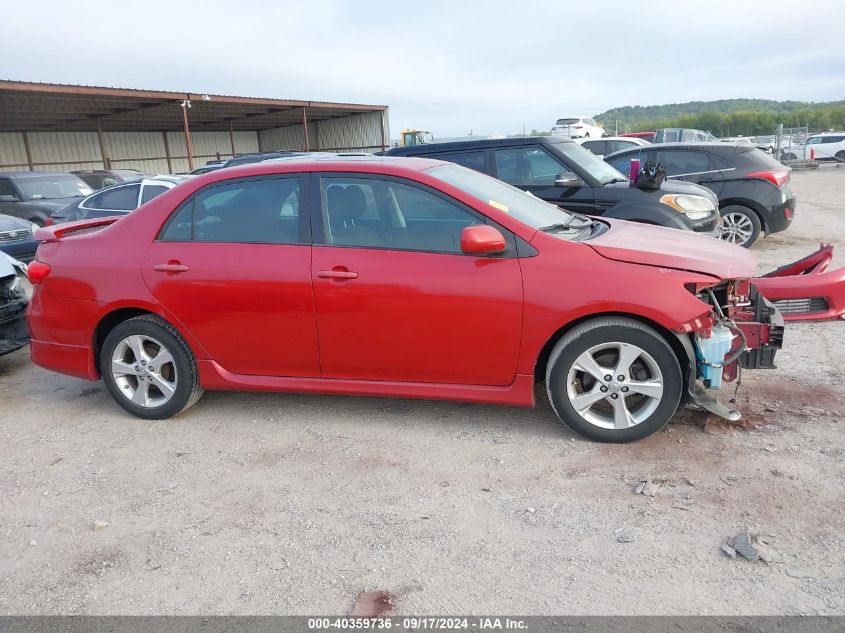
[167,153]
[383,146]
[103,152]
[187,135]
[232,138]
[305,127]
[28,151]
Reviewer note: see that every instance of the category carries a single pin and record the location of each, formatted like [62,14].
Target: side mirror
[567,179]
[481,239]
[8,198]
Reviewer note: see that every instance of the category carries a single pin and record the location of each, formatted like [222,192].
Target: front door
[534,169]
[396,298]
[234,266]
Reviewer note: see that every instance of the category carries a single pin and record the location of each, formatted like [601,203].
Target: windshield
[519,204]
[53,187]
[589,163]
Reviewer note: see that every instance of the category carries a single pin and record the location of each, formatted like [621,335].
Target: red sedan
[395,277]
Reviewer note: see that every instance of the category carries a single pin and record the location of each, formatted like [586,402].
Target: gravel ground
[278,504]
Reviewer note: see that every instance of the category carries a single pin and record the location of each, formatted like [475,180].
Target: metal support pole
[232,138]
[305,127]
[187,135]
[28,152]
[103,152]
[383,146]
[167,153]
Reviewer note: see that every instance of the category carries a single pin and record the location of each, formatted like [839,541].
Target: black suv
[754,189]
[34,195]
[560,171]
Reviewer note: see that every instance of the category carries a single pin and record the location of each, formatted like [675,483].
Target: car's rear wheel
[614,380]
[740,225]
[840,156]
[149,369]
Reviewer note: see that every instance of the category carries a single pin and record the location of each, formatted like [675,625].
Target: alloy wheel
[737,228]
[615,385]
[144,371]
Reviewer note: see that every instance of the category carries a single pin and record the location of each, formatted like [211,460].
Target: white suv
[578,127]
[827,146]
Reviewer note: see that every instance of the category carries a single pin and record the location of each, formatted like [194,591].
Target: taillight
[48,222]
[787,213]
[37,272]
[579,127]
[777,178]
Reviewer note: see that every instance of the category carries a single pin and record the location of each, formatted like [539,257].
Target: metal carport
[64,127]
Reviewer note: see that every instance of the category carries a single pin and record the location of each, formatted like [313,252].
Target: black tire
[614,331]
[187,388]
[740,216]
[840,156]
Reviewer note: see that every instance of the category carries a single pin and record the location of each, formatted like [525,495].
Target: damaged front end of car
[742,330]
[15,292]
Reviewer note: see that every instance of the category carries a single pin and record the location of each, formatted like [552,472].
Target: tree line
[730,117]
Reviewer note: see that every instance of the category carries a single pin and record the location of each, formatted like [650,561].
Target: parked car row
[558,170]
[117,199]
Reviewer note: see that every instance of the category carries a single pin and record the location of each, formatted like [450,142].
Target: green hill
[727,117]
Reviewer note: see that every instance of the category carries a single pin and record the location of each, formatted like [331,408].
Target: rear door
[396,298]
[696,166]
[233,264]
[534,169]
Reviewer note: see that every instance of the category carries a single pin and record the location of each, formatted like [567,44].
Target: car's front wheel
[740,225]
[840,156]
[149,369]
[614,379]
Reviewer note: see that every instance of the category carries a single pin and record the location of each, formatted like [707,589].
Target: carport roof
[28,106]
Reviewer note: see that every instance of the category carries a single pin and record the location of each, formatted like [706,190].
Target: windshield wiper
[613,180]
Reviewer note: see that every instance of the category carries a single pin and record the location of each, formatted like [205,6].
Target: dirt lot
[293,504]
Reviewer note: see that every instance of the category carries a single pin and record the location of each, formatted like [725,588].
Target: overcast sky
[446,66]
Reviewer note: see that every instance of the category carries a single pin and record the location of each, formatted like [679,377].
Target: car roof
[715,147]
[632,139]
[173,179]
[34,174]
[368,163]
[480,144]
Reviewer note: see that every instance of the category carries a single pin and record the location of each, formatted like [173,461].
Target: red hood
[673,248]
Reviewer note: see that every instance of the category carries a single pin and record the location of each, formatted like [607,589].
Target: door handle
[337,273]
[171,267]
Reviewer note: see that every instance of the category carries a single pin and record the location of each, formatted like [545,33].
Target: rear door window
[615,146]
[123,198]
[149,192]
[264,211]
[474,160]
[622,163]
[680,163]
[597,147]
[528,166]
